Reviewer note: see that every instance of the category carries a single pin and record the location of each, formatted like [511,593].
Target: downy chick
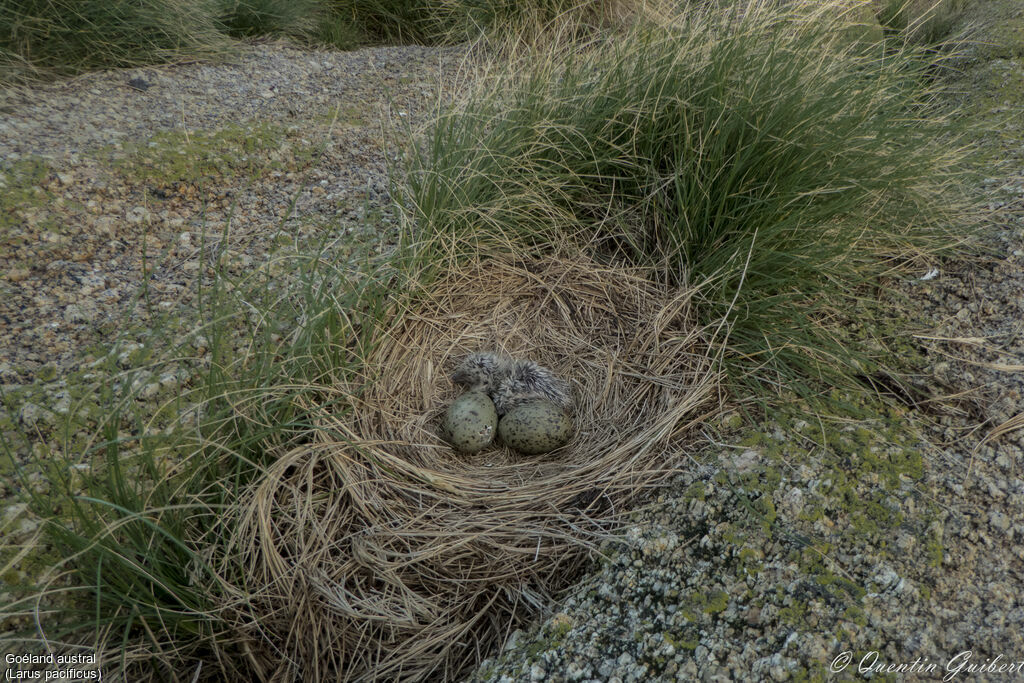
[526,381]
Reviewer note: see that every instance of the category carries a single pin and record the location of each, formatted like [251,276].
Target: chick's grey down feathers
[511,383]
[528,381]
[482,370]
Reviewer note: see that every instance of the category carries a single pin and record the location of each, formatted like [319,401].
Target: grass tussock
[63,37]
[759,151]
[394,21]
[296,18]
[538,21]
[446,22]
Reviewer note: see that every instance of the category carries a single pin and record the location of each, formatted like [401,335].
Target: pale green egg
[471,422]
[534,427]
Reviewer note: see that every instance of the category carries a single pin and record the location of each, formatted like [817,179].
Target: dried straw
[379,553]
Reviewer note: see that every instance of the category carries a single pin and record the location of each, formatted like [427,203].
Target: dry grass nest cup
[380,553]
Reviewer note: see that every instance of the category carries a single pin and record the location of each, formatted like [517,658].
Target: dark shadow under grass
[295,18]
[763,155]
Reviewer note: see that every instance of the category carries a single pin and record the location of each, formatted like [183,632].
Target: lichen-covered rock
[470,422]
[535,427]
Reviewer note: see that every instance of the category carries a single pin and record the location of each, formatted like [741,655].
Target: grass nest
[380,553]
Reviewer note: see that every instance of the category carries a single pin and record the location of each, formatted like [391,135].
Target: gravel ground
[97,178]
[116,199]
[876,533]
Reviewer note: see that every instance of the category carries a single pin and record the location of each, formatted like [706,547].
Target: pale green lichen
[830,580]
[695,491]
[934,551]
[716,601]
[855,614]
[795,614]
[865,453]
[680,641]
[559,631]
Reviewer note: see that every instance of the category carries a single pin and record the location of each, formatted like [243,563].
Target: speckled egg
[470,422]
[535,427]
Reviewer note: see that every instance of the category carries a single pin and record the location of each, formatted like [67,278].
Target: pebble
[30,415]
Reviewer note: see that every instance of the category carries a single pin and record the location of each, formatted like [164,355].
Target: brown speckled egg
[537,426]
[470,422]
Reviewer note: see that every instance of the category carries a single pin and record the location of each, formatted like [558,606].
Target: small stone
[999,520]
[31,415]
[11,512]
[561,622]
[63,404]
[793,503]
[47,373]
[105,225]
[138,215]
[514,640]
[75,313]
[746,461]
[8,373]
[575,672]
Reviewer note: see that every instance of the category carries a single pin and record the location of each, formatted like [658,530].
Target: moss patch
[178,160]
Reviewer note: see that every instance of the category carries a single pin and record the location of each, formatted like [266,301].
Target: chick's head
[481,370]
